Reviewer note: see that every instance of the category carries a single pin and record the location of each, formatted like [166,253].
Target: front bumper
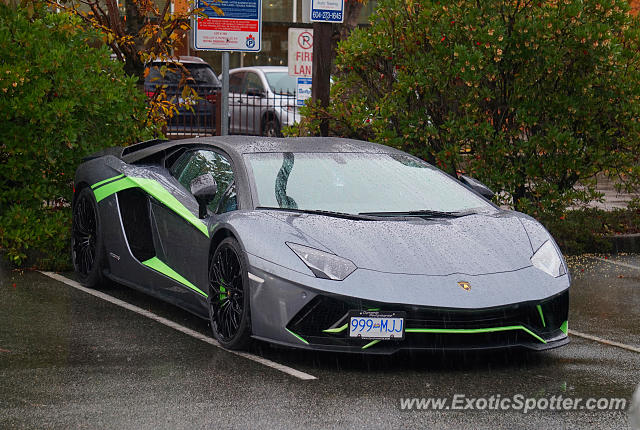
[298,314]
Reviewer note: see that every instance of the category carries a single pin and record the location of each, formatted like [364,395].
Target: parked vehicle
[262,100]
[319,243]
[199,116]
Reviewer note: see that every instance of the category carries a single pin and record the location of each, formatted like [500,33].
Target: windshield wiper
[361,217]
[426,213]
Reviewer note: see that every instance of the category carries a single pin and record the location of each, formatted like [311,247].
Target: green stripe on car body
[153,188]
[544,324]
[97,184]
[565,327]
[474,330]
[160,266]
[373,342]
[336,330]
[300,338]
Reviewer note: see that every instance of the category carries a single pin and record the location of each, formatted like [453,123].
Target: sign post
[300,52]
[327,11]
[238,28]
[303,91]
[323,14]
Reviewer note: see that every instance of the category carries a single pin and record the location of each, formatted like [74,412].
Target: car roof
[184,59]
[257,144]
[264,69]
[236,146]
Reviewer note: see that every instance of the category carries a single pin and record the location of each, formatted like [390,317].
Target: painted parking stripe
[617,263]
[604,341]
[211,341]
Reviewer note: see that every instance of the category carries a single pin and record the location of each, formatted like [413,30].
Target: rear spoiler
[120,151]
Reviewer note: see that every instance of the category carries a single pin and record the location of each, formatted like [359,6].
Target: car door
[235,102]
[255,95]
[183,248]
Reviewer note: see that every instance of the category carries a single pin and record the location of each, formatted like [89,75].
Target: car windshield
[281,83]
[202,74]
[357,183]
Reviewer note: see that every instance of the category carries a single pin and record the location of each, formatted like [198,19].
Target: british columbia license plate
[376,325]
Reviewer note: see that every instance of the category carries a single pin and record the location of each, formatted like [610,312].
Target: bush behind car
[60,100]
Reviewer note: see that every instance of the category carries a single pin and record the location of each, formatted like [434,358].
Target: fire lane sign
[300,52]
[239,29]
[327,10]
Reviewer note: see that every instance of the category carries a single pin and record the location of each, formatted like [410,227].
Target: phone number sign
[327,10]
[239,29]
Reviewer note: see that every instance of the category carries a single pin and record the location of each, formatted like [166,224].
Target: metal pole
[295,11]
[224,112]
[320,86]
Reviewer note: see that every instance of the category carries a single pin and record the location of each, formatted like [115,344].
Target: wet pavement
[69,359]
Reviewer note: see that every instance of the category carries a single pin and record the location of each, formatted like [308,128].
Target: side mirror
[256,92]
[204,189]
[477,186]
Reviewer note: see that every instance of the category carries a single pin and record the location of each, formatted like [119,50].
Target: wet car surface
[69,359]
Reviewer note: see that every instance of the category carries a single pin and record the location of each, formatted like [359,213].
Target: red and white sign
[237,28]
[300,52]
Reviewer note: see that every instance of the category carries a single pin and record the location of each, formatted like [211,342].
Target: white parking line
[618,263]
[604,341]
[211,341]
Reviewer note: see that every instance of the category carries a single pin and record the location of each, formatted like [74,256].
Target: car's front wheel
[86,240]
[229,311]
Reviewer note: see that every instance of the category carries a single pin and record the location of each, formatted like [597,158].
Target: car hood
[474,244]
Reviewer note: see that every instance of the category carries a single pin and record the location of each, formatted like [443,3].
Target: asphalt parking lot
[69,359]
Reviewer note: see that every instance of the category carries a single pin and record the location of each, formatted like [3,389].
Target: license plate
[376,325]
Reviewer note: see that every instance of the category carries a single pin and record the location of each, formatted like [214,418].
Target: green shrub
[586,230]
[60,99]
[540,96]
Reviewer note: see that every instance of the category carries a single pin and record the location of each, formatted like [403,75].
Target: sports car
[318,243]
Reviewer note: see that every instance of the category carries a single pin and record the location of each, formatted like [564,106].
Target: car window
[356,183]
[200,74]
[196,163]
[281,83]
[235,82]
[229,201]
[252,84]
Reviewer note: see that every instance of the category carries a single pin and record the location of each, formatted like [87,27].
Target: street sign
[303,91]
[239,29]
[327,10]
[300,53]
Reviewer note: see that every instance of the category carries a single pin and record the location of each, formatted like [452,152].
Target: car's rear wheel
[86,240]
[229,295]
[271,127]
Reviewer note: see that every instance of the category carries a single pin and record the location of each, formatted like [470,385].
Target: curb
[625,243]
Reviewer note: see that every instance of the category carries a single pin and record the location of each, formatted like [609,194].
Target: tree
[532,97]
[60,100]
[140,35]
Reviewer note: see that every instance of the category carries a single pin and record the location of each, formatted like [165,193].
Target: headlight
[323,264]
[288,108]
[547,259]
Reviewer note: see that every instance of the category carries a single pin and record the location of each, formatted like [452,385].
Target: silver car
[262,100]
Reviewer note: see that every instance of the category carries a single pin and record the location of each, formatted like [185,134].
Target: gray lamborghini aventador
[318,243]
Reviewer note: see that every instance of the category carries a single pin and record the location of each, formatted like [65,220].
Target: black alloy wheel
[86,240]
[229,295]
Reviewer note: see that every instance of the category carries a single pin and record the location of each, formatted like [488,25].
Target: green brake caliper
[222,293]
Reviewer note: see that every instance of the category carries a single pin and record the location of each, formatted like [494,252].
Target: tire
[229,310]
[271,127]
[87,249]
